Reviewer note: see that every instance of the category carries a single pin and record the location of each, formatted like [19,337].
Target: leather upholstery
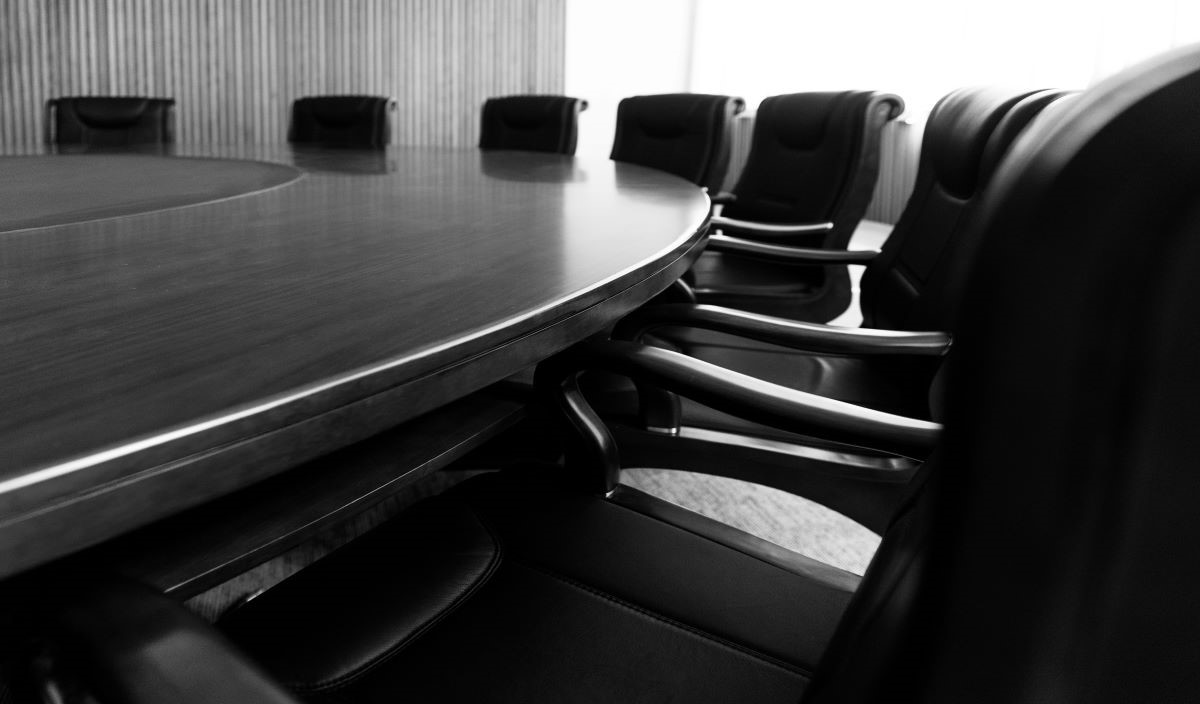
[969,131]
[110,121]
[917,281]
[803,157]
[814,158]
[341,120]
[686,134]
[1051,555]
[579,599]
[539,123]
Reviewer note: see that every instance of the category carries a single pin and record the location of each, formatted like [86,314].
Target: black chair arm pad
[790,255]
[747,397]
[810,337]
[761,229]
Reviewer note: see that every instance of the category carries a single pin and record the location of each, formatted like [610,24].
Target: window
[919,49]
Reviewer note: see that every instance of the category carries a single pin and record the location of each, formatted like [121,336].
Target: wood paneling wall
[234,66]
[899,155]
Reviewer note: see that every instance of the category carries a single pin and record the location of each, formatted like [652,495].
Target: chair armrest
[722,198]
[124,642]
[811,337]
[791,255]
[724,390]
[759,229]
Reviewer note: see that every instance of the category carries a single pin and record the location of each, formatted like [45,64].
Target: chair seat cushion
[516,587]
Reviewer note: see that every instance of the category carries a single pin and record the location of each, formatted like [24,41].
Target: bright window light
[919,49]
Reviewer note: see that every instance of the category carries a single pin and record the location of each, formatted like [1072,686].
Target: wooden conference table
[175,328]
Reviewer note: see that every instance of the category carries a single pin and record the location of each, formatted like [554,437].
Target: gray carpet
[782,518]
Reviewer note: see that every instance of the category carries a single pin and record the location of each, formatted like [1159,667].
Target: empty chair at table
[686,134]
[536,123]
[103,121]
[342,121]
[808,179]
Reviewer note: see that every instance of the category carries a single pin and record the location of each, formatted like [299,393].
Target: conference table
[178,328]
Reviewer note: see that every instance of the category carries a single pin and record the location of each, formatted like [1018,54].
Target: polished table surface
[174,328]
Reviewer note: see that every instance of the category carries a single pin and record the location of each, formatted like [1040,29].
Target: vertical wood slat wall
[234,66]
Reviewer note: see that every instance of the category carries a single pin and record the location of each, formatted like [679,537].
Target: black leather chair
[1045,553]
[342,121]
[911,295]
[538,123]
[809,177]
[103,121]
[686,134]
[912,286]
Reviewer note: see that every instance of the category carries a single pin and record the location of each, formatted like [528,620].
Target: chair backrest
[916,281]
[342,120]
[109,121]
[536,123]
[686,134]
[1050,555]
[814,157]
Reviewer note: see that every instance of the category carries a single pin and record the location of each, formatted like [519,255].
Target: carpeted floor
[782,518]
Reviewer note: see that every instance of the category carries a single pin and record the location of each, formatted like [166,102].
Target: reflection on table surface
[238,310]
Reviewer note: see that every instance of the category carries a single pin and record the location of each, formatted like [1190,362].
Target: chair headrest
[531,112]
[958,132]
[673,115]
[110,112]
[797,120]
[340,110]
